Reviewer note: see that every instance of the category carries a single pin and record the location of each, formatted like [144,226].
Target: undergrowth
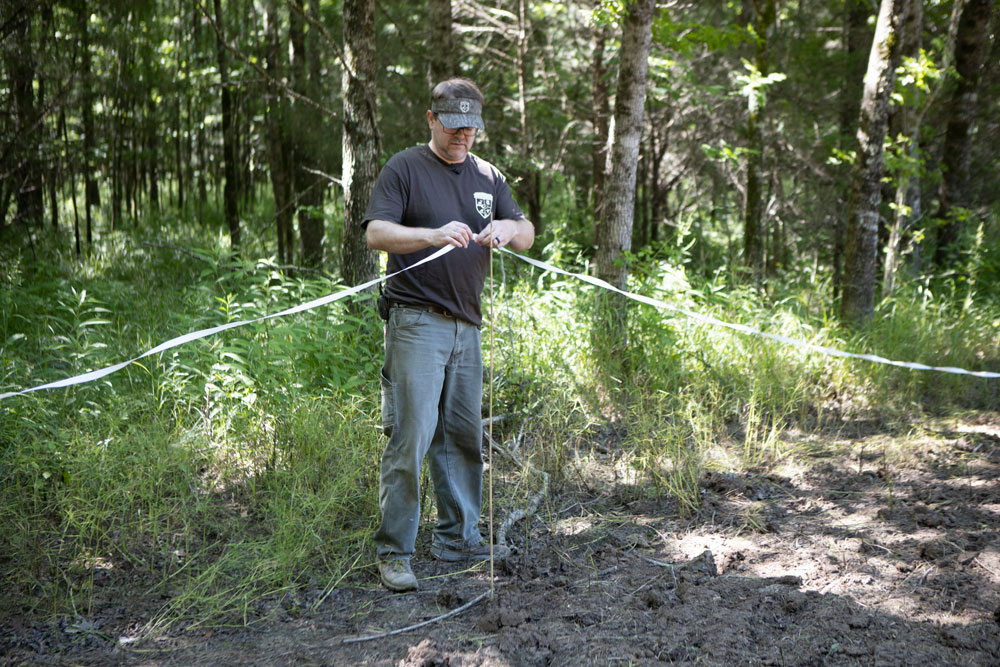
[215,477]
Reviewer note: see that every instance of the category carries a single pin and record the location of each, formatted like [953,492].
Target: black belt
[423,306]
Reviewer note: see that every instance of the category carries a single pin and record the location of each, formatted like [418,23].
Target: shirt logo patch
[484,204]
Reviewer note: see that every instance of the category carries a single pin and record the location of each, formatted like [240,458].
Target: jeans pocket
[388,404]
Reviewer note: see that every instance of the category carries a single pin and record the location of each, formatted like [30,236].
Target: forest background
[173,165]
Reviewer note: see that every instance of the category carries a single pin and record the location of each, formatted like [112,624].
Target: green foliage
[217,473]
[233,471]
[753,85]
[227,474]
[686,37]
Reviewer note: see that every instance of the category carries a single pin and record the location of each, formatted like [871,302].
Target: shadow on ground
[850,559]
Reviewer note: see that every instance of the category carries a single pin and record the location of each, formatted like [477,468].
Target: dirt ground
[869,547]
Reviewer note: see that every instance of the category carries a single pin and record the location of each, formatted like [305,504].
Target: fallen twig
[519,514]
[453,612]
[980,564]
[923,578]
[672,568]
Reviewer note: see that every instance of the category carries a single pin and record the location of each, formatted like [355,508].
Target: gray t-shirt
[418,189]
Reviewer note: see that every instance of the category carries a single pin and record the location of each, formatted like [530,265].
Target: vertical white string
[489,446]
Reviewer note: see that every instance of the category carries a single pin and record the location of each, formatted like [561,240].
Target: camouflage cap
[459,112]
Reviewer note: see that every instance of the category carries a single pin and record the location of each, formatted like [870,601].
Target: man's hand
[519,234]
[454,233]
[395,238]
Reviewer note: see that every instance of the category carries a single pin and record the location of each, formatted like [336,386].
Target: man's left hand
[498,233]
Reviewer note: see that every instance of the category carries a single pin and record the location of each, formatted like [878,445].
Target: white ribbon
[742,328]
[204,333]
[656,303]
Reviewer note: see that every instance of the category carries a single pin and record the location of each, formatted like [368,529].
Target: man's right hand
[454,233]
[400,240]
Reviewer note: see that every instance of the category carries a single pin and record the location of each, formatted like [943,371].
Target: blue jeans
[432,391]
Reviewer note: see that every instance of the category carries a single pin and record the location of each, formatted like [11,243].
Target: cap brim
[456,120]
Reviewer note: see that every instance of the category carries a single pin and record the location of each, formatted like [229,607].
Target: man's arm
[518,234]
[400,240]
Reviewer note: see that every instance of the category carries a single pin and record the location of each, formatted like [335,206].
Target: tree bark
[361,142]
[904,123]
[305,127]
[52,175]
[443,64]
[753,204]
[529,190]
[18,55]
[228,137]
[600,114]
[858,303]
[278,146]
[970,50]
[855,39]
[614,232]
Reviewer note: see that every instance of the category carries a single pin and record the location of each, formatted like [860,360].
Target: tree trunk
[904,123]
[306,127]
[443,64]
[26,172]
[970,50]
[361,142]
[753,204]
[278,147]
[614,230]
[153,154]
[858,303]
[52,168]
[72,182]
[855,39]
[600,114]
[228,137]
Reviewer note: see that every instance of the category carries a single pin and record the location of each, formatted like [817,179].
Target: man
[427,197]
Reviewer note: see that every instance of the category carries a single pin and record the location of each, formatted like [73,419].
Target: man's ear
[430,118]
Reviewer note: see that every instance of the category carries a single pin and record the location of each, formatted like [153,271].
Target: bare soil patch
[872,548]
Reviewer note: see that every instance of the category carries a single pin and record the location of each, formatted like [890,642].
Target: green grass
[231,471]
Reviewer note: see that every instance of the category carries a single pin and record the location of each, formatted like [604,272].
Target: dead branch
[453,612]
[509,455]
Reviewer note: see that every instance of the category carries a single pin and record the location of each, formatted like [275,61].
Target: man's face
[450,145]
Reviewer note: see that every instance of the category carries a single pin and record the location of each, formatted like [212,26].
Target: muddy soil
[868,548]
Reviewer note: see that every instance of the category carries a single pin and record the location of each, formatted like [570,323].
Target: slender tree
[22,151]
[614,235]
[855,39]
[307,136]
[754,233]
[858,303]
[599,114]
[904,123]
[278,144]
[441,63]
[231,191]
[361,142]
[970,49]
[617,210]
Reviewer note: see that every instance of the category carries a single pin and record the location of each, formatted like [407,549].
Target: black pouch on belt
[383,304]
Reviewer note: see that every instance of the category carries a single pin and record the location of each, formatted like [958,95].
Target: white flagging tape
[742,328]
[204,333]
[656,303]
